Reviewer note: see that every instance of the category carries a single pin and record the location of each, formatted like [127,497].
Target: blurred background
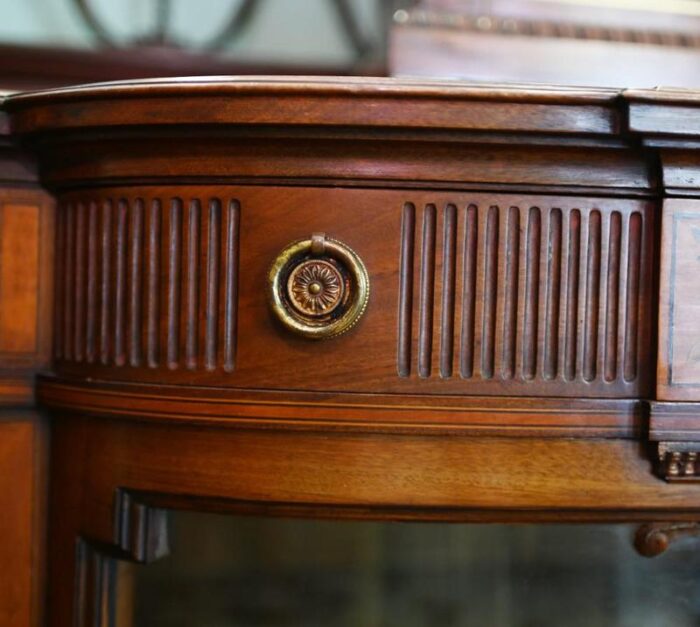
[639,43]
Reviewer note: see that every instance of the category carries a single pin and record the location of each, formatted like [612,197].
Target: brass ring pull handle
[319,287]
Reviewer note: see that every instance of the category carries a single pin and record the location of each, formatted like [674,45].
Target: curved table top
[319,101]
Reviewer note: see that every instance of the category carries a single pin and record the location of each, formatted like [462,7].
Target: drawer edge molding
[352,412]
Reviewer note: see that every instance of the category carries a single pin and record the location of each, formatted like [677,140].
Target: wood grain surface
[352,412]
[679,334]
[500,294]
[26,294]
[23,517]
[26,278]
[504,364]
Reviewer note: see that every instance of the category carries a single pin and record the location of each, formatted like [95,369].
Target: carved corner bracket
[679,461]
[674,428]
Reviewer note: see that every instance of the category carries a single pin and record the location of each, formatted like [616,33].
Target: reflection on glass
[236,571]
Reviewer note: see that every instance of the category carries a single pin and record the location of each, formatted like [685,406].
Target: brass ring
[319,287]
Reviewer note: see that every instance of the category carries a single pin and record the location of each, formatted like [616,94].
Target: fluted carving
[128,263]
[528,293]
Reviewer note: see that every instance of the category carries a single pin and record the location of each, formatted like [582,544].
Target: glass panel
[237,571]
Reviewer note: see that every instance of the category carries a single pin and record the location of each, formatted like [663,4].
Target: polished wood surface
[354,412]
[23,454]
[512,363]
[26,279]
[321,102]
[329,473]
[144,294]
[26,286]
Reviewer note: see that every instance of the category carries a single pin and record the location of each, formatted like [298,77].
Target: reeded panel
[470,294]
[148,282]
[528,293]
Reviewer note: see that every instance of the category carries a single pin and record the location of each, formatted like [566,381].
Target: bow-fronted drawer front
[462,293]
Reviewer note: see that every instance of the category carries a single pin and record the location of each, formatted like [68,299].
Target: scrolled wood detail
[653,539]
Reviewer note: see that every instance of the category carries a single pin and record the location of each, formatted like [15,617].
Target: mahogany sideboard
[369,298]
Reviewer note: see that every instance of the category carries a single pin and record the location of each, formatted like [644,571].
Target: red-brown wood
[501,372]
[353,412]
[26,264]
[132,259]
[23,450]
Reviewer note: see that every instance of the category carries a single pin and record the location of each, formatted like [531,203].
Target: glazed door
[276,572]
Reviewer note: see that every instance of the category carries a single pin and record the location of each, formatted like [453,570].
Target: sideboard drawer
[470,293]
